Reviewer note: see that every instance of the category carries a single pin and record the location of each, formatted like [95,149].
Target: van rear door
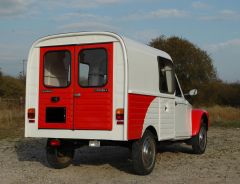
[56,87]
[76,87]
[94,87]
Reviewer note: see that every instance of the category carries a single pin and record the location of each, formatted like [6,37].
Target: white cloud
[107,1]
[85,22]
[88,26]
[200,5]
[165,13]
[18,7]
[13,7]
[144,36]
[223,45]
[222,15]
[157,14]
[81,3]
[83,16]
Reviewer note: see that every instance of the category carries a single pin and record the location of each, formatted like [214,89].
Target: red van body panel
[197,115]
[137,110]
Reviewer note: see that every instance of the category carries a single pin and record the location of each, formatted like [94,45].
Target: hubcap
[148,152]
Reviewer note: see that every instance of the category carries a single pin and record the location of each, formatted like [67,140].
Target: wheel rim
[61,156]
[202,138]
[148,152]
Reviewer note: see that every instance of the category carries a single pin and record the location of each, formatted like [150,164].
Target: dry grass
[224,116]
[11,120]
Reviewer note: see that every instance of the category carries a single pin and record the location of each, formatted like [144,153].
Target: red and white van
[97,88]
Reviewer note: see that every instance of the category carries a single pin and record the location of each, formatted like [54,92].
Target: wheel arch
[152,129]
[197,116]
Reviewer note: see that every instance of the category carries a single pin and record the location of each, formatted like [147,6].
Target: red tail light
[31,113]
[55,143]
[120,116]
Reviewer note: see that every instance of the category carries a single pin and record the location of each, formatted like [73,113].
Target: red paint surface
[137,109]
[197,115]
[65,94]
[92,110]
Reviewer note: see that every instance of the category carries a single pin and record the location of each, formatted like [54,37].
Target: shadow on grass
[174,148]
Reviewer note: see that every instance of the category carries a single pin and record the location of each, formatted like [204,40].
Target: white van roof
[96,37]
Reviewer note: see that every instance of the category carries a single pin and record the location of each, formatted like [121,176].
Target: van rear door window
[93,67]
[57,68]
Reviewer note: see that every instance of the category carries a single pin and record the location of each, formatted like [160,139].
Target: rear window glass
[93,67]
[57,68]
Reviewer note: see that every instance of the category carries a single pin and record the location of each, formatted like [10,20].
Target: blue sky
[213,25]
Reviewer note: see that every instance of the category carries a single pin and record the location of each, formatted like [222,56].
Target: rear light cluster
[31,115]
[120,116]
[55,143]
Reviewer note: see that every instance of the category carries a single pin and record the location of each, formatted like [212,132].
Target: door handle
[77,95]
[47,91]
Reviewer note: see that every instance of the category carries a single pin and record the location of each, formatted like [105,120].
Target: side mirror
[192,92]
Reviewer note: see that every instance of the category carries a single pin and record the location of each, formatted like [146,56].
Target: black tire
[144,154]
[59,157]
[199,141]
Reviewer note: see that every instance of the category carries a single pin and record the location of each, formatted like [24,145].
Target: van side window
[57,68]
[166,76]
[93,67]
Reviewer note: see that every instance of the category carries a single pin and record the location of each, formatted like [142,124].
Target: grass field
[224,116]
[12,119]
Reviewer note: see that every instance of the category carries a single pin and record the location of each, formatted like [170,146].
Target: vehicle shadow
[174,148]
[118,157]
[31,150]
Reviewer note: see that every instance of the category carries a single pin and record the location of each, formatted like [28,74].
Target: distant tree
[194,66]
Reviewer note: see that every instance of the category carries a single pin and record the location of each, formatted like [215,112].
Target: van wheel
[144,154]
[59,157]
[199,141]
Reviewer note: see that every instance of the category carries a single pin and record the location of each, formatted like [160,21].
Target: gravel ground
[24,161]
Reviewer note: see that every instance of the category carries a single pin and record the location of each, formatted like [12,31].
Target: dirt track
[23,161]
